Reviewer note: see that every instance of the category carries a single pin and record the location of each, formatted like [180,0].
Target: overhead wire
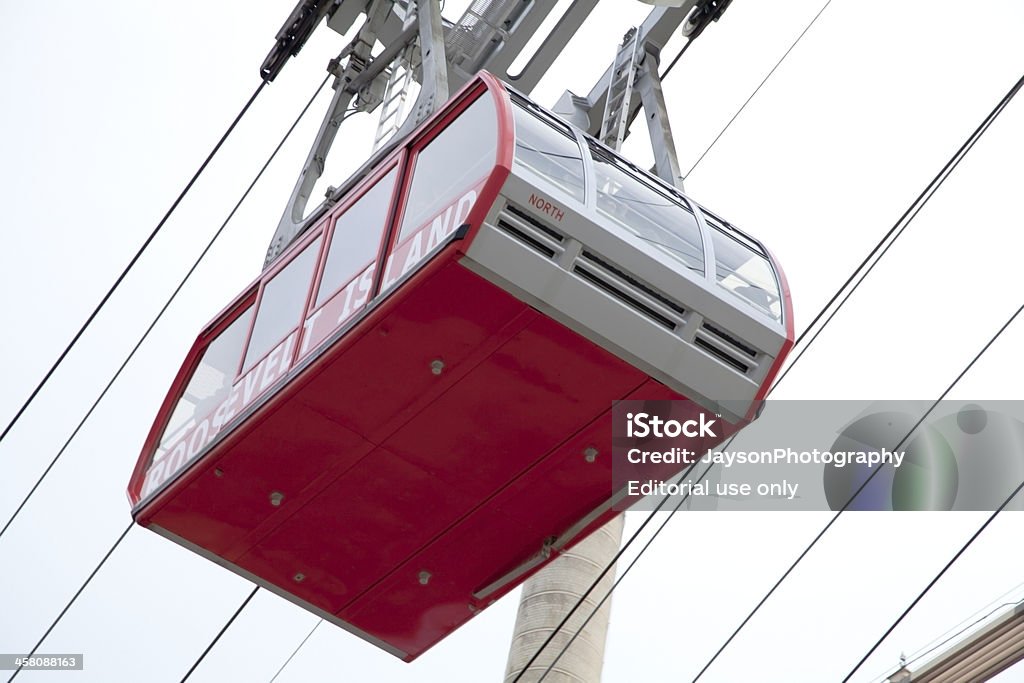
[619,579]
[675,60]
[923,199]
[74,597]
[901,223]
[756,90]
[178,289]
[898,229]
[683,499]
[161,312]
[220,633]
[853,497]
[957,631]
[931,584]
[296,650]
[131,264]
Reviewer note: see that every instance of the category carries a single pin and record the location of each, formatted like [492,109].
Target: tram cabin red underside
[391,427]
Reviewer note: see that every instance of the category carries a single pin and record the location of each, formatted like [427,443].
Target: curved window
[647,212]
[459,157]
[356,237]
[282,304]
[746,273]
[549,150]
[210,382]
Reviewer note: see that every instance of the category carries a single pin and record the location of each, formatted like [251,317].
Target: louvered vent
[726,348]
[627,288]
[526,229]
[630,290]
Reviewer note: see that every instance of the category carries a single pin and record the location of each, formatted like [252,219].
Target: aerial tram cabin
[406,415]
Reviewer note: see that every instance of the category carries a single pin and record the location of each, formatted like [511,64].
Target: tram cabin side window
[746,273]
[210,382]
[548,149]
[645,211]
[459,157]
[356,239]
[282,304]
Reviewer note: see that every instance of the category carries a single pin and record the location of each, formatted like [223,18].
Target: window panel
[282,304]
[356,237]
[458,157]
[549,150]
[746,273]
[647,212]
[211,380]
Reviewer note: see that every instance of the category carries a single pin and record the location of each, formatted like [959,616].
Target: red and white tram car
[398,421]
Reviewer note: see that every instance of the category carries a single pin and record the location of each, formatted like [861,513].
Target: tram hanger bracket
[703,14]
[496,38]
[292,36]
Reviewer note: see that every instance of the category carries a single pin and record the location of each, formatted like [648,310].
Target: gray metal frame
[490,35]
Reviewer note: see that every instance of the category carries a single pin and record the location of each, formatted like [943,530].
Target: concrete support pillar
[549,595]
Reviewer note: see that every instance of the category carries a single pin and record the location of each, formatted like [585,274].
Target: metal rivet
[424,577]
[590,454]
[218,472]
[436,366]
[300,577]
[275,498]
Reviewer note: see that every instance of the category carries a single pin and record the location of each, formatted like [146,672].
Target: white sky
[108,108]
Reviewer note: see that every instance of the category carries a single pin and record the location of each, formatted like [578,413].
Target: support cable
[937,577]
[220,633]
[818,537]
[296,650]
[608,567]
[615,585]
[920,202]
[233,616]
[685,472]
[756,90]
[74,598]
[163,310]
[846,505]
[120,278]
[904,220]
[945,639]
[178,289]
[901,224]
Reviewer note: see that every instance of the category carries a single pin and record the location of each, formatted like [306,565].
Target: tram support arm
[656,30]
[293,219]
[666,162]
[434,85]
[359,70]
[434,65]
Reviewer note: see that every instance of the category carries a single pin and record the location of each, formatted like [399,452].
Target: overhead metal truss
[442,56]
